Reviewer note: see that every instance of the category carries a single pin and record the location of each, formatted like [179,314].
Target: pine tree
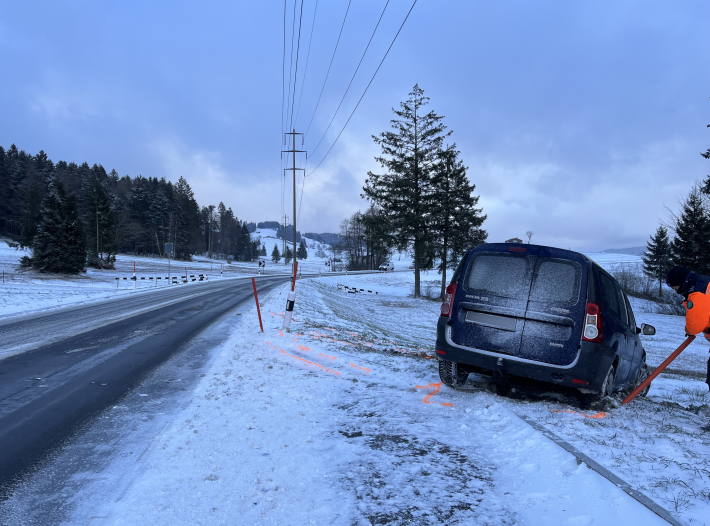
[691,246]
[288,256]
[302,252]
[404,192]
[657,257]
[58,245]
[36,180]
[456,221]
[99,219]
[275,255]
[262,252]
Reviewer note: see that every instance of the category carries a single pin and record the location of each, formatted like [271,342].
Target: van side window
[622,307]
[629,311]
[611,296]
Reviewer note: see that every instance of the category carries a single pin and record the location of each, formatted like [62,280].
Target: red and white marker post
[291,300]
[256,299]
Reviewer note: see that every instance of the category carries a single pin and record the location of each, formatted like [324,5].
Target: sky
[579,121]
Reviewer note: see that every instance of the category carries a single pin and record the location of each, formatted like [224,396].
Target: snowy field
[24,290]
[344,421]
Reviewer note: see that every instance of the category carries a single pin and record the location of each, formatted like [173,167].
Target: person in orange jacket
[695,288]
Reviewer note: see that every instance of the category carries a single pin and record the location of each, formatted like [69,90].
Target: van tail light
[593,324]
[448,304]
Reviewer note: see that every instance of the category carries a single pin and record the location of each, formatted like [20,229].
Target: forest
[104,213]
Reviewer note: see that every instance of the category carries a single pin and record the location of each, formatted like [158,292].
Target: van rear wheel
[451,374]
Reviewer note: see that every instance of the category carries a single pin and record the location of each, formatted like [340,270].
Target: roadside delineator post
[658,370]
[291,300]
[256,299]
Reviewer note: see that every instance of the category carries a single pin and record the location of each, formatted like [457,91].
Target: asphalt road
[79,360]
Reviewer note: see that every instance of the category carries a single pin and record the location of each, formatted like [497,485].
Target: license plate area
[505,323]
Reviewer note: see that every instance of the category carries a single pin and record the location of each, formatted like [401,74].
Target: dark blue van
[541,313]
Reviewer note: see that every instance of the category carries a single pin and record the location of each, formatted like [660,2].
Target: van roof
[535,250]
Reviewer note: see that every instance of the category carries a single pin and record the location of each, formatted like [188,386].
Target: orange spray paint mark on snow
[309,362]
[365,370]
[435,389]
[594,416]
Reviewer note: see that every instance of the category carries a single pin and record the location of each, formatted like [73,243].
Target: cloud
[617,204]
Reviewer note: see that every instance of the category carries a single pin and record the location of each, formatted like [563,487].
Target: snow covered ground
[343,421]
[25,290]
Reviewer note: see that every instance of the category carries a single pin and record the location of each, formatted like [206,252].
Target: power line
[366,87]
[308,55]
[295,74]
[290,68]
[283,73]
[357,68]
[325,80]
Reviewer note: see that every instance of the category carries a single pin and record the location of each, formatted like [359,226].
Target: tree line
[687,241]
[73,215]
[422,201]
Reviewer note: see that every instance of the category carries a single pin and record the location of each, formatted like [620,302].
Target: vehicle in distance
[542,313]
[386,267]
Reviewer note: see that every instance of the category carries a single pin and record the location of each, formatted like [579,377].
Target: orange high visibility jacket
[697,312]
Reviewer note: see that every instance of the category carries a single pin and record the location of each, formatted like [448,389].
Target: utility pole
[292,293]
[293,151]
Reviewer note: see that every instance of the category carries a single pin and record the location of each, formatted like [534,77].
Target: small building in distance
[514,240]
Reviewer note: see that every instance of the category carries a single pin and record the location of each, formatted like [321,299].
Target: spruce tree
[456,222]
[657,257]
[262,252]
[691,246]
[58,245]
[404,192]
[288,256]
[275,255]
[302,252]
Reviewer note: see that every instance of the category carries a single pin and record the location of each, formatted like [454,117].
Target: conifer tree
[99,219]
[456,222]
[262,252]
[657,257]
[275,255]
[288,256]
[58,245]
[404,191]
[691,246]
[302,252]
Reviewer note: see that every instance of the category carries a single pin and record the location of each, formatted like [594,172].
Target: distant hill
[632,251]
[333,240]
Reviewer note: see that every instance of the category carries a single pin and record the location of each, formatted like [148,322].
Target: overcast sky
[580,121]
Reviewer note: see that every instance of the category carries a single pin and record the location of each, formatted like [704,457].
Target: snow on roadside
[343,421]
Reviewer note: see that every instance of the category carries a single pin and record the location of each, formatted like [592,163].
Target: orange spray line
[658,370]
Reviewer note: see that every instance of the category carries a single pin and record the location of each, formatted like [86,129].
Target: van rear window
[503,276]
[556,282]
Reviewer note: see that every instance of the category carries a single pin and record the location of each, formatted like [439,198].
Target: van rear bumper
[587,372]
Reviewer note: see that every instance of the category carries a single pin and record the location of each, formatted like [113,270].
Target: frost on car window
[499,275]
[556,282]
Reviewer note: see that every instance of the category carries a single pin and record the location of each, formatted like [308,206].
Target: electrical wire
[295,74]
[308,55]
[283,73]
[290,69]
[366,88]
[327,74]
[357,68]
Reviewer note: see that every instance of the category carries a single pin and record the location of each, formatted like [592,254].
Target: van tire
[607,388]
[598,400]
[450,373]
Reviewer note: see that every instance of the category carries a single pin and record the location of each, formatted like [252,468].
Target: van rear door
[552,328]
[491,300]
